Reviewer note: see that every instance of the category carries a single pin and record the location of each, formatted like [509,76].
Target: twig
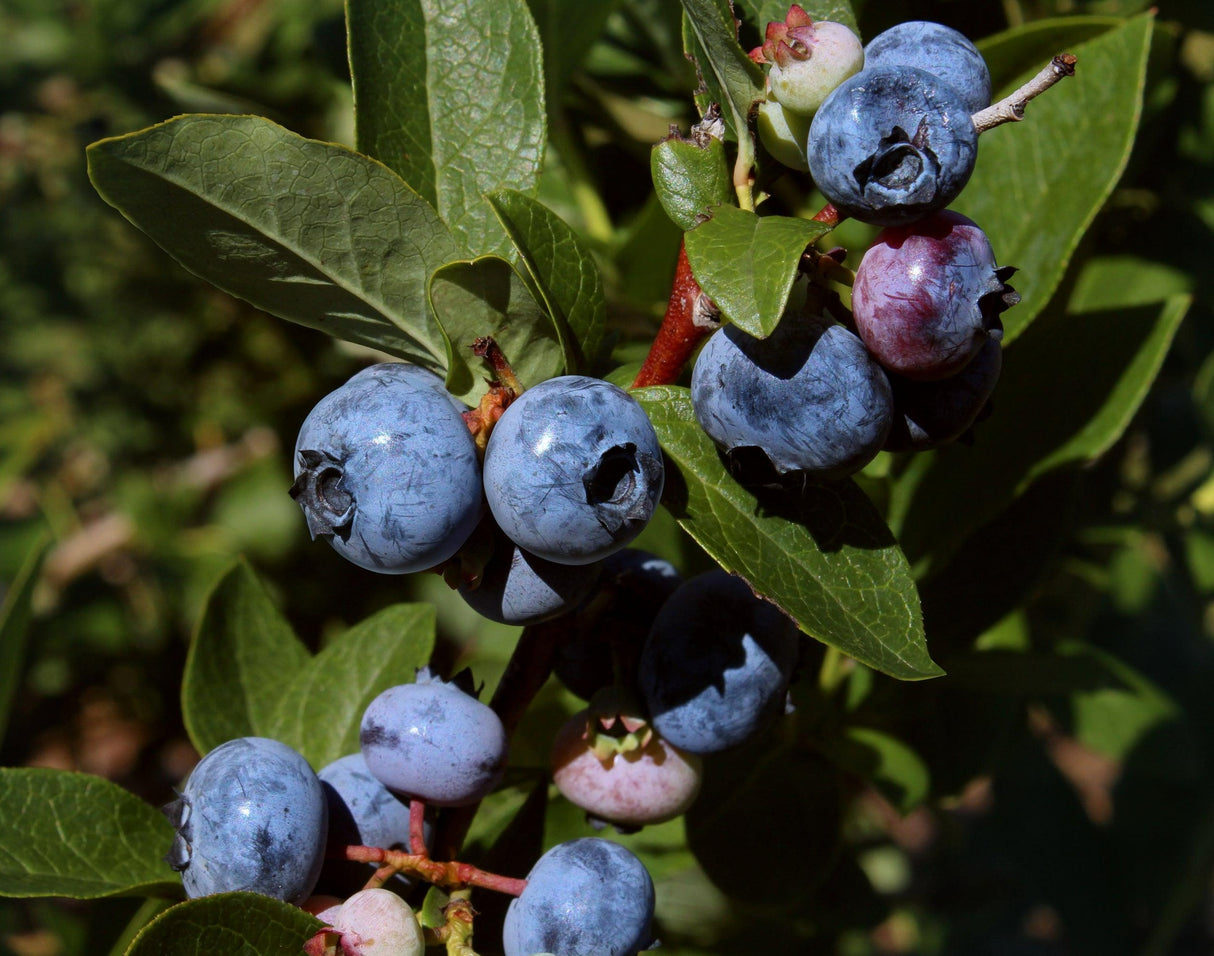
[1010,109]
[690,317]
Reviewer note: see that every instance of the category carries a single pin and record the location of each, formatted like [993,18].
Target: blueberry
[377,922]
[650,784]
[938,50]
[809,396]
[808,59]
[783,134]
[930,414]
[928,296]
[386,469]
[362,812]
[433,741]
[716,668]
[609,629]
[587,897]
[891,145]
[521,588]
[573,470]
[251,816]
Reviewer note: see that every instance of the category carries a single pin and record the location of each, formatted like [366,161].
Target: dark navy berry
[252,816]
[609,629]
[938,50]
[587,897]
[930,414]
[809,396]
[929,295]
[573,470]
[387,470]
[521,588]
[716,668]
[433,741]
[891,145]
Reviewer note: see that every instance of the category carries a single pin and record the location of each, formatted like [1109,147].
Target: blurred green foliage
[145,422]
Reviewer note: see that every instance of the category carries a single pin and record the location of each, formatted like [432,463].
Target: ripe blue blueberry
[362,812]
[809,396]
[386,469]
[433,741]
[251,816]
[609,629]
[938,50]
[573,470]
[587,897]
[930,414]
[521,588]
[929,295]
[891,145]
[716,668]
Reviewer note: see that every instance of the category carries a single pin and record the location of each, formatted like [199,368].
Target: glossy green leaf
[886,762]
[235,924]
[747,263]
[1039,183]
[1025,49]
[730,78]
[826,558]
[321,708]
[1068,389]
[691,180]
[487,297]
[561,273]
[247,673]
[450,94]
[79,836]
[14,625]
[308,231]
[243,656]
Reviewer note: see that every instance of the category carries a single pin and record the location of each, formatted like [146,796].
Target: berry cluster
[887,135]
[387,468]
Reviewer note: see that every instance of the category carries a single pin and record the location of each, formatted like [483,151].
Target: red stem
[679,334]
[417,828]
[451,875]
[829,215]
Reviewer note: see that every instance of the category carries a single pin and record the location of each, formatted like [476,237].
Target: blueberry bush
[746,498]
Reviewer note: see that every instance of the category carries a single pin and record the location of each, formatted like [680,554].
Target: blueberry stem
[451,875]
[1010,109]
[683,328]
[417,828]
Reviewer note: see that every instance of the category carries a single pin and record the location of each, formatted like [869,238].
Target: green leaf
[242,658]
[731,78]
[1069,388]
[561,273]
[1038,184]
[308,231]
[799,824]
[691,180]
[826,558]
[235,924]
[487,297]
[431,913]
[14,622]
[889,764]
[450,94]
[747,263]
[321,708]
[248,675]
[79,836]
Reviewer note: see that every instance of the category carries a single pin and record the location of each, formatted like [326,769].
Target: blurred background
[146,423]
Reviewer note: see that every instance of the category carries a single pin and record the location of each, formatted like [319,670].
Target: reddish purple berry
[928,296]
